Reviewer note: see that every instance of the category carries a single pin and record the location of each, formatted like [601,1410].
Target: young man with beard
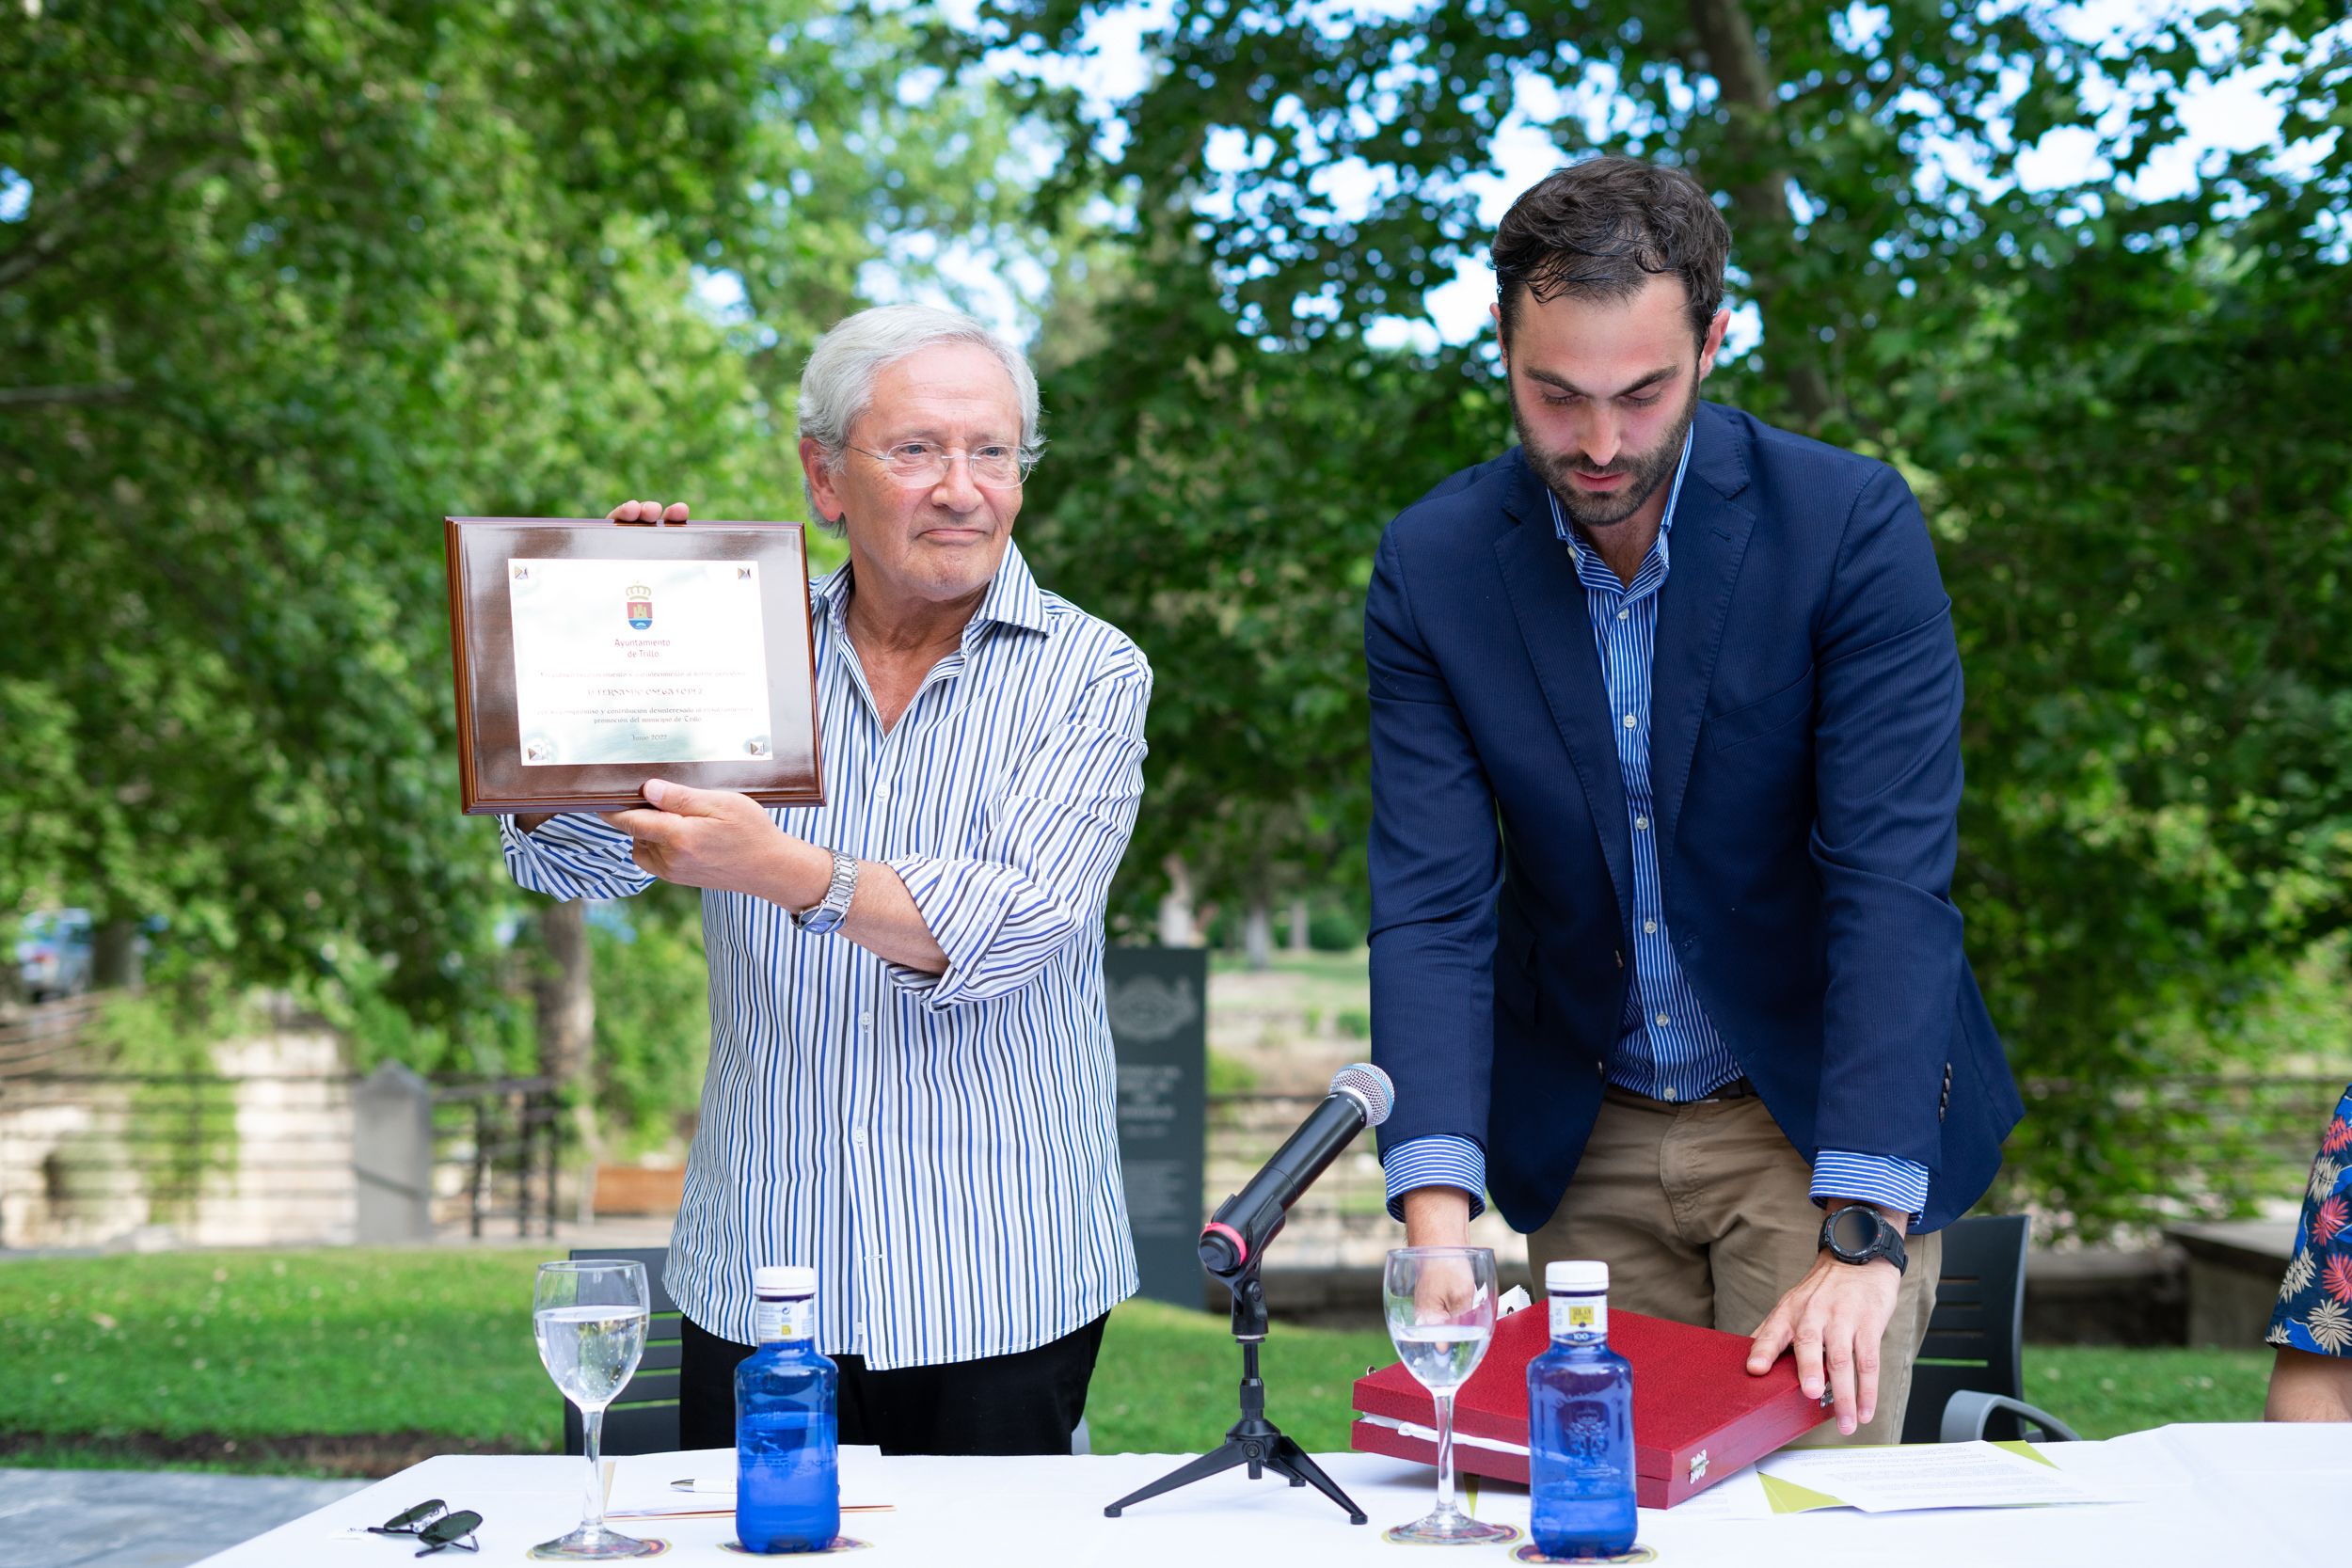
[1665,724]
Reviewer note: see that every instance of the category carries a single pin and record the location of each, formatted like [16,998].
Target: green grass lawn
[1325,982]
[350,1359]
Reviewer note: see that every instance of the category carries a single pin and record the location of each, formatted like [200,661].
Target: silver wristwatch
[834,906]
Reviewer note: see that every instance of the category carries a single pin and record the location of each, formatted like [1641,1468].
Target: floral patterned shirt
[2314,1310]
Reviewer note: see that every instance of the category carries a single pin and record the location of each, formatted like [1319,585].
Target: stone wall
[263,1159]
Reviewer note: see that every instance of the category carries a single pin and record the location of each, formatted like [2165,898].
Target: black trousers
[1025,1402]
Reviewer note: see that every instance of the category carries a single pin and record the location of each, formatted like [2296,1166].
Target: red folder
[1697,1414]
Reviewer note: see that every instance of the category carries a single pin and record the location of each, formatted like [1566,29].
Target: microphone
[1360,1097]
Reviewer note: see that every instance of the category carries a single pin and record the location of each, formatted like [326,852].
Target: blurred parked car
[54,952]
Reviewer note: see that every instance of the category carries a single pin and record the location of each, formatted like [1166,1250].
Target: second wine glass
[1441,1306]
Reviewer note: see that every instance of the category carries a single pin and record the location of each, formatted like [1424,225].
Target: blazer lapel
[1709,542]
[1549,604]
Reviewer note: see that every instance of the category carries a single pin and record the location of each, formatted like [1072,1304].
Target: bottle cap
[784,1279]
[1580,1277]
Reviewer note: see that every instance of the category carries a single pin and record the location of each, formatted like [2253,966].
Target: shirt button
[1650,926]
[1662,1022]
[1622,613]
[1667,1093]
[1628,720]
[1642,822]
[858,1137]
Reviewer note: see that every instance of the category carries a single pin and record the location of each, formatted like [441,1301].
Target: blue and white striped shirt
[1668,1048]
[943,1148]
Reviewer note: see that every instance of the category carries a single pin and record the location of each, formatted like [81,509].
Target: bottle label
[1579,1317]
[784,1318]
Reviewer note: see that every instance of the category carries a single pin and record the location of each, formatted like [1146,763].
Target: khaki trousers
[1702,1212]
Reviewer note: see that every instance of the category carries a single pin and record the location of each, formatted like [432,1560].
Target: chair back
[1974,1334]
[642,1418]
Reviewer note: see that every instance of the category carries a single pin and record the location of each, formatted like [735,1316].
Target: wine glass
[1441,1306]
[590,1318]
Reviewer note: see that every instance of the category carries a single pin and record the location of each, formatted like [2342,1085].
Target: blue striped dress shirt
[943,1148]
[1667,1048]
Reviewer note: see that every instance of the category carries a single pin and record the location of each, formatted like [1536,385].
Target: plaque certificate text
[639,661]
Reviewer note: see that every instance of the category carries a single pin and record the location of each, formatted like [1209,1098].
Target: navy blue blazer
[1806,763]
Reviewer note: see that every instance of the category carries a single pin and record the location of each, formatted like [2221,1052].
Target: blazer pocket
[1765,715]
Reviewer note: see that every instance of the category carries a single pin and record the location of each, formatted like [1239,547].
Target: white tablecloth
[2266,1496]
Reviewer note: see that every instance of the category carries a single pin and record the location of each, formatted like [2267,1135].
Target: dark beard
[1649,470]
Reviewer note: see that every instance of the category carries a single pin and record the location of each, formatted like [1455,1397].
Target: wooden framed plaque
[593,656]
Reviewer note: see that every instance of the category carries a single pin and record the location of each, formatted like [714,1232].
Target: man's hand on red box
[1835,1318]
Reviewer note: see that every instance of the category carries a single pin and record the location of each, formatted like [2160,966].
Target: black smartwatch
[1859,1234]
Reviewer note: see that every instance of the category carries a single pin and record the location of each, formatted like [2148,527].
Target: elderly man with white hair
[911,1083]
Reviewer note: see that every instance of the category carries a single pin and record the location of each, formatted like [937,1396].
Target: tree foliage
[2142,471]
[2121,411]
[281,284]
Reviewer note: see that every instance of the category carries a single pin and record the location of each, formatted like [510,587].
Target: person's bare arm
[713,838]
[2309,1387]
[1835,1319]
[1437,1216]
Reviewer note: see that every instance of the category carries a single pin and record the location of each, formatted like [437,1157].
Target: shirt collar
[1013,597]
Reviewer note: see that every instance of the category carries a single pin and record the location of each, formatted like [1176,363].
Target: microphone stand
[1253,1440]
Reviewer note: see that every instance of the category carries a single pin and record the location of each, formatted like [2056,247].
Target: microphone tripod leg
[1253,1440]
[1289,1459]
[1231,1452]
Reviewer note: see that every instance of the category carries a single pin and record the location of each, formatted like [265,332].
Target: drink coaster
[838,1543]
[1639,1554]
[654,1544]
[1510,1533]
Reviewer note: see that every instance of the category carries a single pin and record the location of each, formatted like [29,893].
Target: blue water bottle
[1579,1423]
[787,1484]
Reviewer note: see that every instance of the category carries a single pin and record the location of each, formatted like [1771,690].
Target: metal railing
[92,1158]
[45,1037]
[507,1135]
[87,1158]
[2240,1146]
[2190,1146]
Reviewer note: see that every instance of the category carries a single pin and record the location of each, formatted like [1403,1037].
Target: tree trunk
[1759,191]
[1178,927]
[1298,924]
[1257,933]
[566,996]
[115,960]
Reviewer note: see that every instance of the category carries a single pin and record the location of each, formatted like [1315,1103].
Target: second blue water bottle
[1579,1424]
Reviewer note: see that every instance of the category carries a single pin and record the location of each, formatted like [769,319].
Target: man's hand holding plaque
[714,838]
[648,511]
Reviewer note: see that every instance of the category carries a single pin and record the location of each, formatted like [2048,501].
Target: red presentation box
[1697,1414]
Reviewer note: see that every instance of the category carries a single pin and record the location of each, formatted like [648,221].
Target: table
[2203,1495]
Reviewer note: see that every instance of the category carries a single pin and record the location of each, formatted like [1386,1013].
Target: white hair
[837,383]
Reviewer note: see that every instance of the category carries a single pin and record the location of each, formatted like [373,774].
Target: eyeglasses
[920,464]
[431,1523]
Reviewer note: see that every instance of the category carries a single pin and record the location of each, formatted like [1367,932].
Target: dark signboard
[1159,1007]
